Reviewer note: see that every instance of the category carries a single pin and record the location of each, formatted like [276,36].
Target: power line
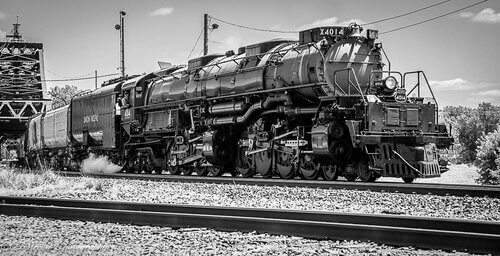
[435,18]
[374,22]
[197,40]
[405,14]
[256,29]
[76,79]
[66,77]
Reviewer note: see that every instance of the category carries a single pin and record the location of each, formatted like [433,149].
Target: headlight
[391,83]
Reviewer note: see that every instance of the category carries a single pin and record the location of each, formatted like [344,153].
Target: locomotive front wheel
[330,172]
[284,165]
[263,164]
[364,172]
[310,169]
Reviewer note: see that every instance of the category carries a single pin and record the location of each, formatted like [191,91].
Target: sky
[458,53]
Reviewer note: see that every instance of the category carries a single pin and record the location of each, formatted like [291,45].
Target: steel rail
[420,232]
[415,188]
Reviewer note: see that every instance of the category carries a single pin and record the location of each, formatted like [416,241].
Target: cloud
[162,11]
[487,15]
[459,84]
[332,21]
[3,15]
[490,93]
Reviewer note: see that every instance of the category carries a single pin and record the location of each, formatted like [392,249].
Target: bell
[355,31]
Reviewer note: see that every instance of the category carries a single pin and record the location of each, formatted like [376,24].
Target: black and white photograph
[219,127]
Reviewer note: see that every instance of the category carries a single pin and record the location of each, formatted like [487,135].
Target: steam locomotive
[322,106]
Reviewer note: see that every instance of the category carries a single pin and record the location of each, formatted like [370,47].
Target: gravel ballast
[39,236]
[24,236]
[331,200]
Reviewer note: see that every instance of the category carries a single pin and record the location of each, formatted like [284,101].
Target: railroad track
[420,232]
[420,188]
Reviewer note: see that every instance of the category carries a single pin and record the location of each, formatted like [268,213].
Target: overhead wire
[66,77]
[431,19]
[77,79]
[404,14]
[256,29]
[370,23]
[197,40]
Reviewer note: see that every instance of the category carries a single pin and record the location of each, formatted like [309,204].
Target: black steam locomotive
[320,106]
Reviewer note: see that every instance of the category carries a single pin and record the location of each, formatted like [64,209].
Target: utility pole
[205,34]
[95,79]
[121,27]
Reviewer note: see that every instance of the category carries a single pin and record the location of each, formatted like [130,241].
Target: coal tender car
[322,106]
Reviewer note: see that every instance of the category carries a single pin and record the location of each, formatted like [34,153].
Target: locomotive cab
[133,93]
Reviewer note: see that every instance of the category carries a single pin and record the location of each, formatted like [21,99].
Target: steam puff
[99,164]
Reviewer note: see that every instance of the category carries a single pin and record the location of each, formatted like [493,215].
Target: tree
[469,125]
[489,117]
[488,159]
[61,96]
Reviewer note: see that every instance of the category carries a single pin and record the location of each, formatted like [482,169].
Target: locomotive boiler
[322,106]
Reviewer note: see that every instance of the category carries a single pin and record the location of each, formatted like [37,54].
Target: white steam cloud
[99,164]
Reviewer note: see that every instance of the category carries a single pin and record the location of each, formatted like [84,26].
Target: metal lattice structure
[23,91]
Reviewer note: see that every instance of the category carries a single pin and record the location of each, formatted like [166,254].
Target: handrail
[356,86]
[351,84]
[417,86]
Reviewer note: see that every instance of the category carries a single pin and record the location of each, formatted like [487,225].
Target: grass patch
[44,183]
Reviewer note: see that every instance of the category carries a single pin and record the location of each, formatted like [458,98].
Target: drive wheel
[245,165]
[263,163]
[331,172]
[310,169]
[284,165]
